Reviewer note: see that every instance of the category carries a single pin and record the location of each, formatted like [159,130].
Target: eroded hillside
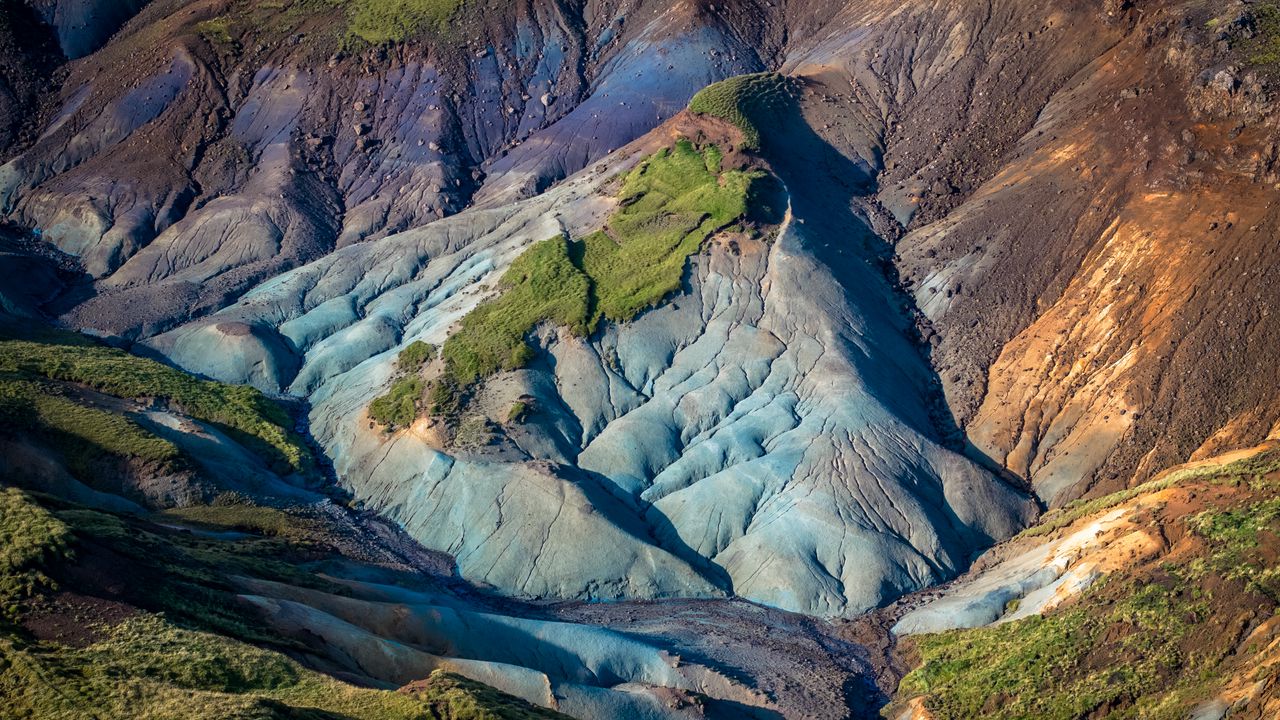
[800,303]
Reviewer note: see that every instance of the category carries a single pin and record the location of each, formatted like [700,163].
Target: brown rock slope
[1083,200]
[1105,294]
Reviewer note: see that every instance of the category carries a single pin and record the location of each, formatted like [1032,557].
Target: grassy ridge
[1040,667]
[83,435]
[671,204]
[1147,642]
[244,412]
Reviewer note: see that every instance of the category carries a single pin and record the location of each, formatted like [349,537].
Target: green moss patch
[250,518]
[399,406]
[415,355]
[671,204]
[748,101]
[542,285]
[216,30]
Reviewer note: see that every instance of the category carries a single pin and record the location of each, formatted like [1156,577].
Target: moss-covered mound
[749,101]
[670,204]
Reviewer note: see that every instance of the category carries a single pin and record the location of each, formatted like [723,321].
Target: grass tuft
[399,406]
[415,355]
[216,30]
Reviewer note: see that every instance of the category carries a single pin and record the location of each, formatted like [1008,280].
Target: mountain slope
[155,566]
[1156,602]
[1003,247]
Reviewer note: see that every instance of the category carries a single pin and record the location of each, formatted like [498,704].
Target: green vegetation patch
[415,355]
[216,29]
[518,412]
[30,537]
[242,411]
[453,697]
[750,102]
[399,406]
[389,21]
[1067,664]
[1235,537]
[83,435]
[542,285]
[671,204]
